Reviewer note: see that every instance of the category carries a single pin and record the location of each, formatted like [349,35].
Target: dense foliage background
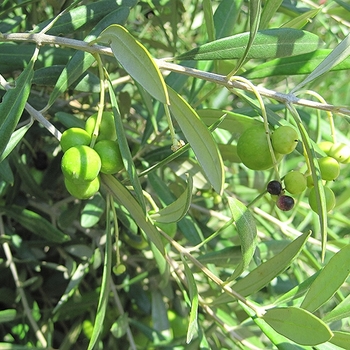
[182,248]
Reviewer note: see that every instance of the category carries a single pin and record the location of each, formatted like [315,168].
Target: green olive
[81,163]
[82,189]
[107,130]
[253,149]
[111,159]
[74,137]
[284,139]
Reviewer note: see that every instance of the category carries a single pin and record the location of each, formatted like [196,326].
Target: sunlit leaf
[269,9]
[280,341]
[124,148]
[235,123]
[341,311]
[300,64]
[246,228]
[193,293]
[105,286]
[328,281]
[267,271]
[302,20]
[81,17]
[200,139]
[225,17]
[12,105]
[186,225]
[16,137]
[318,185]
[176,210]
[269,43]
[339,53]
[341,339]
[7,315]
[92,211]
[298,325]
[136,60]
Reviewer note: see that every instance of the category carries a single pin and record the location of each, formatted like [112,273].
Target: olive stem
[116,229]
[259,311]
[101,102]
[329,113]
[174,140]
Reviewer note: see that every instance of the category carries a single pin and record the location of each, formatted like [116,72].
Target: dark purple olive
[274,187]
[285,203]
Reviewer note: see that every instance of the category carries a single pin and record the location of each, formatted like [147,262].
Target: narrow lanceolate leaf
[328,281]
[267,271]
[298,325]
[300,64]
[193,291]
[13,103]
[125,150]
[269,43]
[136,60]
[7,315]
[200,139]
[341,311]
[340,52]
[246,228]
[34,223]
[175,211]
[316,177]
[302,20]
[270,8]
[341,339]
[125,198]
[16,137]
[105,287]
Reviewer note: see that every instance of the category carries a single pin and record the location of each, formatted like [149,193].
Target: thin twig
[27,310]
[44,39]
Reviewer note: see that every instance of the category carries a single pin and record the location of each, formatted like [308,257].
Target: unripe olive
[329,195]
[329,168]
[111,159]
[82,189]
[107,130]
[295,182]
[81,163]
[284,139]
[253,150]
[340,152]
[74,137]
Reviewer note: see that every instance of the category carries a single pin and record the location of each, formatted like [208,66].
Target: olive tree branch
[44,39]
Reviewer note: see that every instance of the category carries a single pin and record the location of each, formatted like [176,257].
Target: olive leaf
[136,60]
[269,43]
[200,139]
[298,325]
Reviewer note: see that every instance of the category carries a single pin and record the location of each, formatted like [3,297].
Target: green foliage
[183,246]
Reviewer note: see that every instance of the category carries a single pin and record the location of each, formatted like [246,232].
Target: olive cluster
[329,165]
[81,164]
[254,152]
[253,148]
[296,182]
